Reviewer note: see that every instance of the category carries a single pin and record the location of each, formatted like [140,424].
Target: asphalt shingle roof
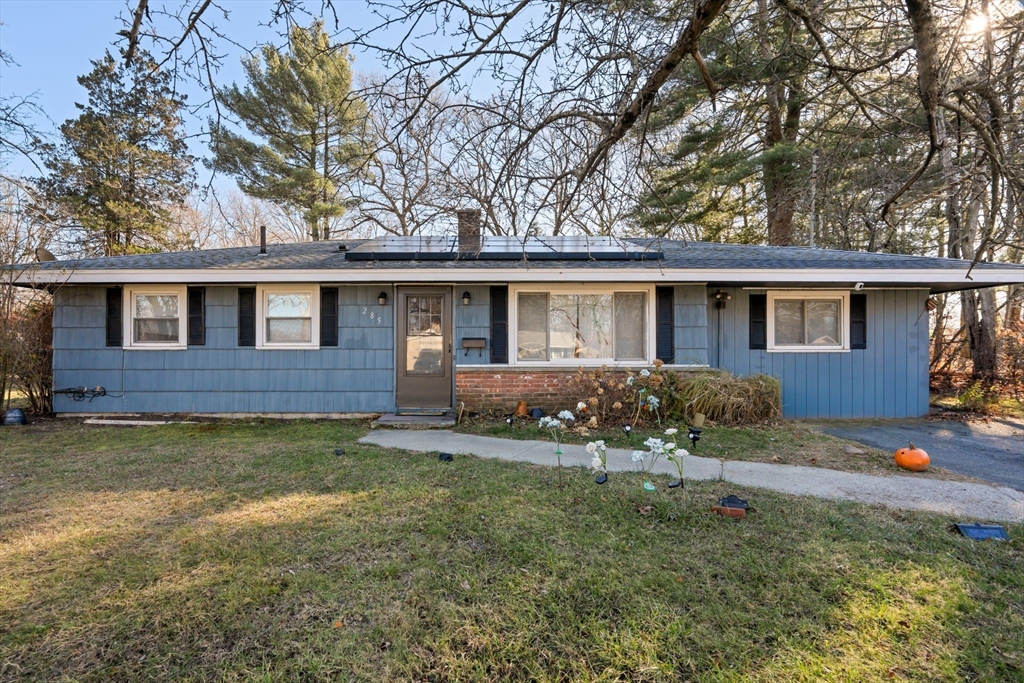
[677,254]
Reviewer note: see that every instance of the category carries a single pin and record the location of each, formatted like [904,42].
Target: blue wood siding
[473,320]
[357,376]
[691,322]
[887,379]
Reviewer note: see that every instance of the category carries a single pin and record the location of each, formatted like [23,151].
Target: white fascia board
[835,276]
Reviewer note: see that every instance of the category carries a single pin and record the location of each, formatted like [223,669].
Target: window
[156,317]
[589,326]
[288,317]
[808,321]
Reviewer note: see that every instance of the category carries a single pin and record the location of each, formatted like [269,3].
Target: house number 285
[373,314]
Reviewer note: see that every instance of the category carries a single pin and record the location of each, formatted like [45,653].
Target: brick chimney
[469,230]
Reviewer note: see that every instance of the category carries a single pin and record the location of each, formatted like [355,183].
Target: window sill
[808,350]
[289,347]
[155,347]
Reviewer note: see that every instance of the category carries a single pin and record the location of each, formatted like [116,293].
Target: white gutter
[836,276]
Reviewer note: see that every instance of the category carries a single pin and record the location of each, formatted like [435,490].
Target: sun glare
[976,24]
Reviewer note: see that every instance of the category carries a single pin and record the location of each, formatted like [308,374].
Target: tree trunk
[781,128]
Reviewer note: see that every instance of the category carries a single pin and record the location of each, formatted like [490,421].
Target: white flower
[654,444]
[550,422]
[629,380]
[600,444]
[645,373]
[670,431]
[671,446]
[597,463]
[581,406]
[653,402]
[566,415]
[638,456]
[591,447]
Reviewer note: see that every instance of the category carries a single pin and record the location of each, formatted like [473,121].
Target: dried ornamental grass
[730,400]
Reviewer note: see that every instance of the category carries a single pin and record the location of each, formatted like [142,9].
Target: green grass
[249,551]
[784,442]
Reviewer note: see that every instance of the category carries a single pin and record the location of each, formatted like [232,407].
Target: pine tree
[299,105]
[124,161]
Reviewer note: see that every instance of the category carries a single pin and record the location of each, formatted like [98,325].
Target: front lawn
[786,442]
[249,551]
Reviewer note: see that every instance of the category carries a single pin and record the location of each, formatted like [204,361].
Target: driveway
[992,451]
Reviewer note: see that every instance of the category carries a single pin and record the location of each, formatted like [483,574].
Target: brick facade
[487,390]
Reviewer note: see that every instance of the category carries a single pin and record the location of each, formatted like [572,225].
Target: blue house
[426,323]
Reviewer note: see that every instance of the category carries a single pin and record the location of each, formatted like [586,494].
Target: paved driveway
[992,451]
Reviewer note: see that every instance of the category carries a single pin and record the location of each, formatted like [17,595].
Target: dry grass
[784,442]
[732,401]
[250,551]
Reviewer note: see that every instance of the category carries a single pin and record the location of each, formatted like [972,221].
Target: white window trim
[544,288]
[261,315]
[801,295]
[128,321]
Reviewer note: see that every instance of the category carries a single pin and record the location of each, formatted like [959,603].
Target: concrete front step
[415,421]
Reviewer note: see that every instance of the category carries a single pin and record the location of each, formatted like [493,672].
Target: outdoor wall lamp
[466,298]
[694,436]
[382,298]
[722,297]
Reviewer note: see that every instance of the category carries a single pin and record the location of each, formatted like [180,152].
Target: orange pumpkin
[913,458]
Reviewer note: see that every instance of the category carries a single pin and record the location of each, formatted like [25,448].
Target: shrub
[623,395]
[729,400]
[977,398]
[32,355]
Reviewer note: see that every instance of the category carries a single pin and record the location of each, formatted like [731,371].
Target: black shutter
[759,321]
[115,326]
[665,340]
[499,324]
[858,321]
[247,316]
[197,316]
[328,316]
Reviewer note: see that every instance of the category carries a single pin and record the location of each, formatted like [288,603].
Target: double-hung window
[808,321]
[288,317]
[582,325]
[156,317]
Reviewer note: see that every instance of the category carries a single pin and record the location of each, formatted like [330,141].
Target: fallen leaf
[465,585]
[338,624]
[775,458]
[814,461]
[645,510]
[679,579]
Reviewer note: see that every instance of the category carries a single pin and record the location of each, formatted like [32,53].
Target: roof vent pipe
[469,230]
[263,239]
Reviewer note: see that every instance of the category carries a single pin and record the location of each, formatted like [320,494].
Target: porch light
[466,298]
[722,297]
[694,436]
[382,298]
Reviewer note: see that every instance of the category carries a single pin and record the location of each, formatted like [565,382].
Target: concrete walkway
[970,502]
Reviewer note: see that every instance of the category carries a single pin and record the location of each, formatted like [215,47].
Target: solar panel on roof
[502,248]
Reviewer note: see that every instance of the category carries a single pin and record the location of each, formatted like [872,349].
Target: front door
[424,348]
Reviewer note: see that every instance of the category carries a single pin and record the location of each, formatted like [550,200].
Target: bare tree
[23,312]
[402,188]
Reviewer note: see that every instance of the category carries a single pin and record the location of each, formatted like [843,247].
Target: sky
[53,41]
